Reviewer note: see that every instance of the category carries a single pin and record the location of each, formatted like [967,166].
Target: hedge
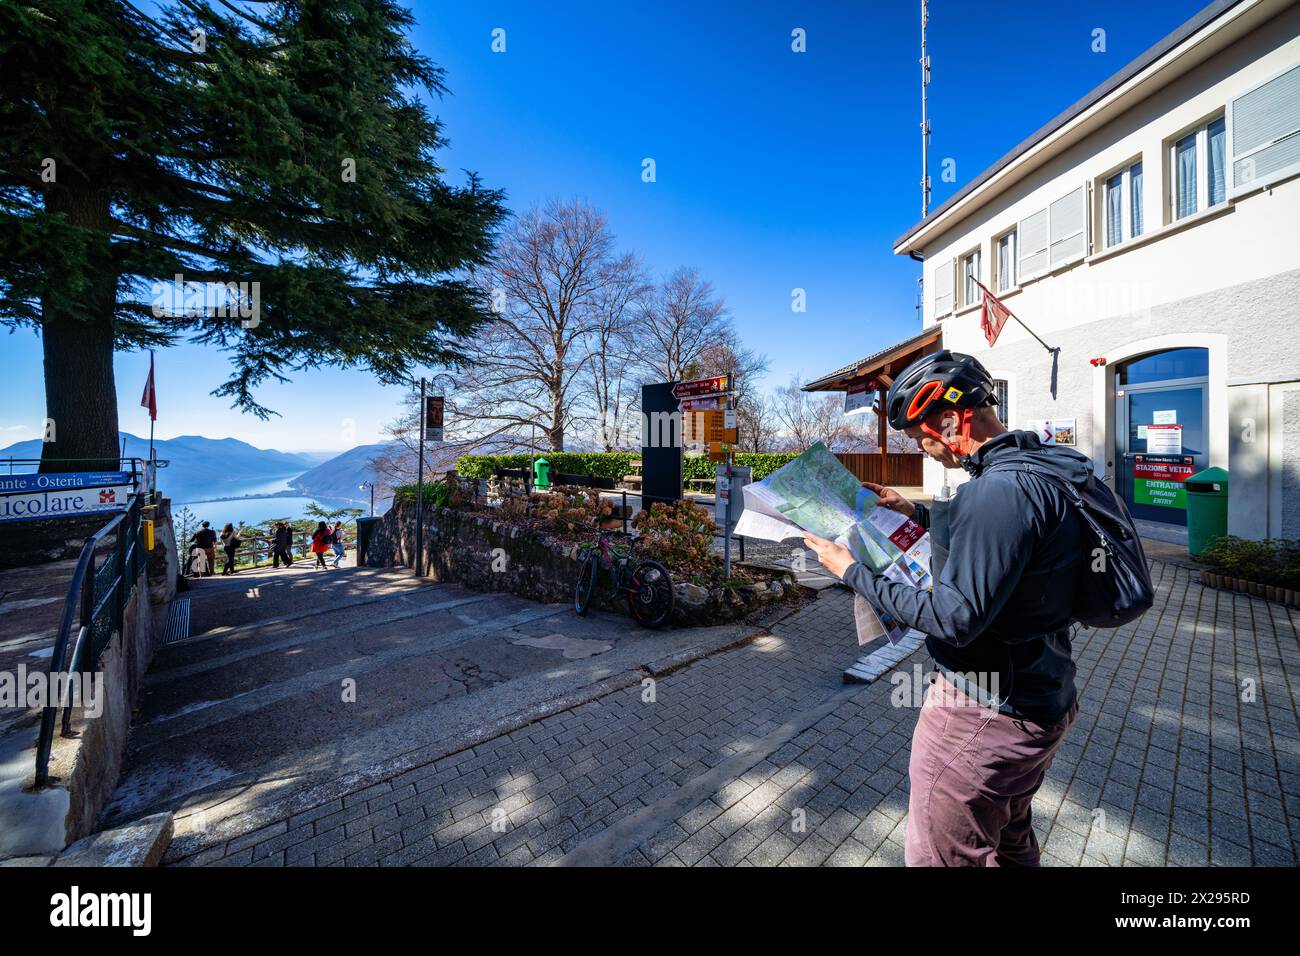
[610,464]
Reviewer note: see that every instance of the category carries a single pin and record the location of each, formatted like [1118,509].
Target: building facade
[1151,236]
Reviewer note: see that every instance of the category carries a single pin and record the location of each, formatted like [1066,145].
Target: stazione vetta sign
[27,497]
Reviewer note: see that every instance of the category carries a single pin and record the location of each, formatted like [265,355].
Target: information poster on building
[1158,480]
[1165,439]
[1054,431]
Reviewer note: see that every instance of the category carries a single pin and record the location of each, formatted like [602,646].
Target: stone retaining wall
[474,549]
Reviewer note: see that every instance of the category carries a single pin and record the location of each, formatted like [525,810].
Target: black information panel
[661,444]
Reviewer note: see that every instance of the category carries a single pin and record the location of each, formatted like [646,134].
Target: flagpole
[1013,315]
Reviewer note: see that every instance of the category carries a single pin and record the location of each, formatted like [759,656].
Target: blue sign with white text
[26,484]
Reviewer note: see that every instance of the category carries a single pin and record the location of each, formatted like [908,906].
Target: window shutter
[1067,219]
[1265,133]
[943,288]
[1032,232]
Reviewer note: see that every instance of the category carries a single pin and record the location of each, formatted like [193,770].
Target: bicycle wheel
[650,596]
[586,586]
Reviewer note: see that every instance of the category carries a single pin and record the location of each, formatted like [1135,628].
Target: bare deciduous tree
[548,269]
[805,418]
[677,324]
[614,308]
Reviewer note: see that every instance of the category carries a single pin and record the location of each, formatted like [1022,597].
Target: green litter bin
[1207,508]
[541,473]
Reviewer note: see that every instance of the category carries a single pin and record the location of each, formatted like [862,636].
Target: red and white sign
[1168,468]
[717,385]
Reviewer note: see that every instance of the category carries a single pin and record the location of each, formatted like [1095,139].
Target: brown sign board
[702,386]
[702,426]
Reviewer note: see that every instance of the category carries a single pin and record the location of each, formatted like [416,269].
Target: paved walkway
[1186,752]
[297,684]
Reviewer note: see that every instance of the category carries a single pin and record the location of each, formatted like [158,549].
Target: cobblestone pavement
[1186,752]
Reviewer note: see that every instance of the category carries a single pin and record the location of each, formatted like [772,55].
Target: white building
[1151,233]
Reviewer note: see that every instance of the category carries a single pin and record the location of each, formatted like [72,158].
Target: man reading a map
[1000,608]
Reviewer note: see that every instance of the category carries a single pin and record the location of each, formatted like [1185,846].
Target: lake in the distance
[257,510]
[262,504]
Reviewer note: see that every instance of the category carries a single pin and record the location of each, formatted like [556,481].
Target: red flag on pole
[149,399]
[993,315]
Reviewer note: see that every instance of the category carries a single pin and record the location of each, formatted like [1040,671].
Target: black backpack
[1119,591]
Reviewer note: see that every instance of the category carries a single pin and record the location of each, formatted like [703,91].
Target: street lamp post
[371,485]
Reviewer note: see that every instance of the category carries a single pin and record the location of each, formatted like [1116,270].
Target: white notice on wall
[1168,416]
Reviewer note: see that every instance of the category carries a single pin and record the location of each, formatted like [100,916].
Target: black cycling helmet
[935,382]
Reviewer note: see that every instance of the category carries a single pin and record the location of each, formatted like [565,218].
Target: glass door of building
[1161,432]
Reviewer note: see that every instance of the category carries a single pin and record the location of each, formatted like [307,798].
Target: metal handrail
[81,594]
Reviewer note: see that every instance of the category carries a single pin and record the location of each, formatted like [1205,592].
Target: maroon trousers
[974,773]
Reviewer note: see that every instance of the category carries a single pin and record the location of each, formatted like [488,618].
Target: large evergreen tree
[281,144]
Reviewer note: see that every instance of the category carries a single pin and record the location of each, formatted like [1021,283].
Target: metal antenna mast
[925,121]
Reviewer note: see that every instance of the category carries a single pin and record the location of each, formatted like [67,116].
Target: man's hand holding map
[816,493]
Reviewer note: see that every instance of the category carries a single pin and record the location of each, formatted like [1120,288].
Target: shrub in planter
[1270,563]
[570,510]
[679,534]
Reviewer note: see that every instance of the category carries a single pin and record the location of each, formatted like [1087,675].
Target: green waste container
[541,473]
[1207,508]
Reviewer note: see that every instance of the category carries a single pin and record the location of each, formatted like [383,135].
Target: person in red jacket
[320,543]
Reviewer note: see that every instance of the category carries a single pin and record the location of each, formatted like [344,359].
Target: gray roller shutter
[943,288]
[1264,131]
[1067,224]
[1032,231]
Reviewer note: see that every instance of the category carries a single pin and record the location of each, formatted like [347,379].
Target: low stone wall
[162,563]
[88,764]
[474,549]
[84,768]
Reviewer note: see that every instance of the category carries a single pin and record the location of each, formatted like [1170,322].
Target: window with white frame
[1004,262]
[1000,393]
[1121,203]
[1198,169]
[968,267]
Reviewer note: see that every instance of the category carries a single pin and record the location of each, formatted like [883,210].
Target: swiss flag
[149,399]
[993,315]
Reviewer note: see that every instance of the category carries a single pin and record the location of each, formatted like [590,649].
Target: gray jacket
[1001,603]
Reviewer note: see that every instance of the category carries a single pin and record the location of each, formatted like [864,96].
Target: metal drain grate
[178,621]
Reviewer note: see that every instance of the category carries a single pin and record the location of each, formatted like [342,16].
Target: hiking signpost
[708,413]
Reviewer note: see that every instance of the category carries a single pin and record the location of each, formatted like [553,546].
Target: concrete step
[141,843]
[251,596]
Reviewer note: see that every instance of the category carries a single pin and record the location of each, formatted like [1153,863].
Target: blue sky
[775,170]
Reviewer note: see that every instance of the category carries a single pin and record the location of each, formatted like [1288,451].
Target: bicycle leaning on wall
[647,584]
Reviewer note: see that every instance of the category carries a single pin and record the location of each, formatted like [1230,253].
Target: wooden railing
[895,469]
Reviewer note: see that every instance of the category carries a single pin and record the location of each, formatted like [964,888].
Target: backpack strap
[1071,491]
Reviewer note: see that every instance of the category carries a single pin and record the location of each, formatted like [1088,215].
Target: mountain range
[205,468]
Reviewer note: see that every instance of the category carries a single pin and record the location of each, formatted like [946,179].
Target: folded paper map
[816,493]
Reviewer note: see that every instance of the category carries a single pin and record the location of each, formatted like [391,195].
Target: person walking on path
[230,542]
[336,540]
[320,543]
[997,619]
[206,540]
[282,545]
